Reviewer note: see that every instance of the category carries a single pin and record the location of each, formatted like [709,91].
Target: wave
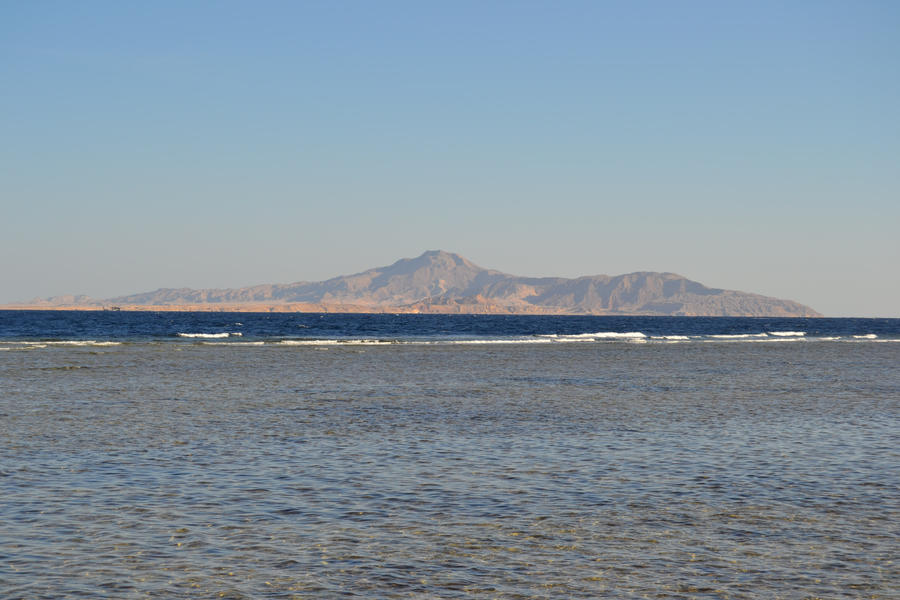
[599,335]
[616,336]
[45,343]
[335,342]
[82,343]
[737,336]
[578,338]
[24,346]
[586,339]
[209,335]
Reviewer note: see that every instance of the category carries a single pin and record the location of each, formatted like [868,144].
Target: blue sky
[746,145]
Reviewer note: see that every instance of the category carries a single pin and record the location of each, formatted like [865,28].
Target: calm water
[440,457]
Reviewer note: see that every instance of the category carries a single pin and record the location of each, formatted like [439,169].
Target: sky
[746,145]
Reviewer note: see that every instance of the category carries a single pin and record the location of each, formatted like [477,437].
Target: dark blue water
[119,326]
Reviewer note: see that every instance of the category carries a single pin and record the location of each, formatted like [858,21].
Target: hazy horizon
[749,146]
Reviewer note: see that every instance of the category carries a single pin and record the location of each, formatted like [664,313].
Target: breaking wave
[26,345]
[599,335]
[81,343]
[209,335]
[335,342]
[236,339]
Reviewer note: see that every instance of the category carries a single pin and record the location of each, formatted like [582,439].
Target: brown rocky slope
[443,282]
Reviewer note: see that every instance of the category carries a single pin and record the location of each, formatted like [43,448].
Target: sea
[245,455]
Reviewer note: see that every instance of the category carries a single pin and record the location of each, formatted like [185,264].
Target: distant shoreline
[298,308]
[306,308]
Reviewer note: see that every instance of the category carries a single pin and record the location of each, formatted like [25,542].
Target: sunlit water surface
[516,471]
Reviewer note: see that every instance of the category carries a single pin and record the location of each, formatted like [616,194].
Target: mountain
[439,281]
[443,282]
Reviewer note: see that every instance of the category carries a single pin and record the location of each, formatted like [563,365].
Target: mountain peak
[438,262]
[444,257]
[438,253]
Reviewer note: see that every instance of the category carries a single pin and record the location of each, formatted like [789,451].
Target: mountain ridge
[444,282]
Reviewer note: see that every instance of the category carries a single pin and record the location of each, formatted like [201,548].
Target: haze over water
[491,457]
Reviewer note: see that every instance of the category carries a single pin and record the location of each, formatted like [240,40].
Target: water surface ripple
[522,471]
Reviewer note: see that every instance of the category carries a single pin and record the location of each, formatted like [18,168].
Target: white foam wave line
[614,335]
[596,335]
[541,339]
[82,343]
[554,339]
[565,339]
[787,333]
[755,340]
[208,335]
[370,342]
[44,344]
[334,343]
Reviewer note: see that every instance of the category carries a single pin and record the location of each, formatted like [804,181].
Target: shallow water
[713,470]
